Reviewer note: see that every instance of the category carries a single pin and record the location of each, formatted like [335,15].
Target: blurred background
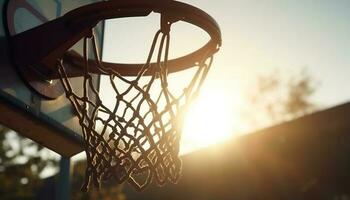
[270,122]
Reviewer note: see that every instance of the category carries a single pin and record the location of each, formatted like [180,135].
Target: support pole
[63,186]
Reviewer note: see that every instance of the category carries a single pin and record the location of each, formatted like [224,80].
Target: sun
[209,120]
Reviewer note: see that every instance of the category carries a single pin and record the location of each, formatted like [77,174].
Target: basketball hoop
[138,139]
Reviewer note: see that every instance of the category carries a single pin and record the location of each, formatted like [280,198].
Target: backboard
[51,123]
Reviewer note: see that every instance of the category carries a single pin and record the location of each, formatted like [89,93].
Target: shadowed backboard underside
[51,123]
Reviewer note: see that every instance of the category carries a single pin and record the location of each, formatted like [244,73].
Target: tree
[275,99]
[298,101]
[22,161]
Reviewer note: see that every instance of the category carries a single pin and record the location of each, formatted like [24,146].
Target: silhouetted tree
[276,99]
[22,161]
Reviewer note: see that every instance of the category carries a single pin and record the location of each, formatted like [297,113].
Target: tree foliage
[276,99]
[22,161]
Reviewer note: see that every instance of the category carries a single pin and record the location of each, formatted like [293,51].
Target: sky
[262,35]
[259,37]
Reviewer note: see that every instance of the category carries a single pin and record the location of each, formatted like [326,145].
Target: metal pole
[63,186]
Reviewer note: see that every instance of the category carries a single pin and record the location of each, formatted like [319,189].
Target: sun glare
[209,120]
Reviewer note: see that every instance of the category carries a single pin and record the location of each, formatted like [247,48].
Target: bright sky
[258,37]
[261,35]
